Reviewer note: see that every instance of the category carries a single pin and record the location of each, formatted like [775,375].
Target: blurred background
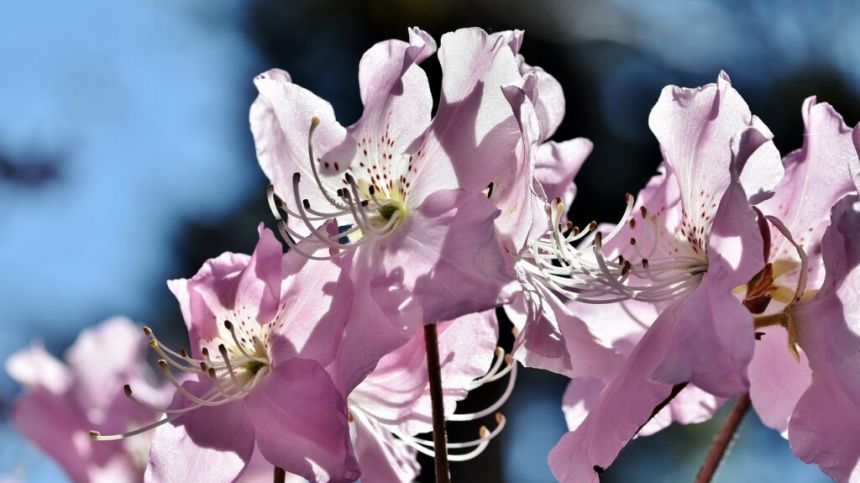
[126,159]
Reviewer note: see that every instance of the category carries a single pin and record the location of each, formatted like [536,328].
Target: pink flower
[265,371]
[544,172]
[63,401]
[402,193]
[821,429]
[692,240]
[792,351]
[817,176]
[392,406]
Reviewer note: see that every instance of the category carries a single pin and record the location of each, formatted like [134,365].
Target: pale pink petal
[396,96]
[213,441]
[563,343]
[690,406]
[36,367]
[474,133]
[711,319]
[854,163]
[443,262]
[695,128]
[517,193]
[816,178]
[61,431]
[549,99]
[316,299]
[579,398]
[368,336]
[777,379]
[712,340]
[261,471]
[102,359]
[382,457]
[235,287]
[823,427]
[616,415]
[301,424]
[557,164]
[397,391]
[280,123]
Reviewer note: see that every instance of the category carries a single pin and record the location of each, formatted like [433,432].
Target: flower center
[650,266]
[366,201]
[234,362]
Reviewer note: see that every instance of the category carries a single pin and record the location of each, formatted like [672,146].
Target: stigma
[361,202]
[234,362]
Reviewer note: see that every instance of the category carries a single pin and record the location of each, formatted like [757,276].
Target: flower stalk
[724,438]
[280,475]
[434,375]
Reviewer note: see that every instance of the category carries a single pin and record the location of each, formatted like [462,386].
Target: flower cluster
[733,271]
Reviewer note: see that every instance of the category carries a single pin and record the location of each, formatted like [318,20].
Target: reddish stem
[434,374]
[723,439]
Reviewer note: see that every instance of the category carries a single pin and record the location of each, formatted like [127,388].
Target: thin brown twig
[280,475]
[434,374]
[723,439]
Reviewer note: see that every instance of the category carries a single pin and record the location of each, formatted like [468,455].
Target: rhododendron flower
[544,171]
[823,424]
[692,238]
[63,401]
[817,177]
[402,193]
[262,373]
[392,405]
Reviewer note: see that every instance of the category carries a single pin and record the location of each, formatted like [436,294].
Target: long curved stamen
[512,369]
[233,376]
[370,212]
[315,122]
[554,263]
[424,446]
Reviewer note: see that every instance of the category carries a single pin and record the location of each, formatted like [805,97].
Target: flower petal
[561,342]
[713,339]
[36,367]
[777,380]
[558,163]
[301,423]
[443,262]
[821,430]
[817,176]
[102,359]
[617,414]
[397,391]
[54,424]
[695,128]
[396,95]
[316,301]
[854,163]
[214,443]
[232,287]
[382,457]
[280,122]
[474,133]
